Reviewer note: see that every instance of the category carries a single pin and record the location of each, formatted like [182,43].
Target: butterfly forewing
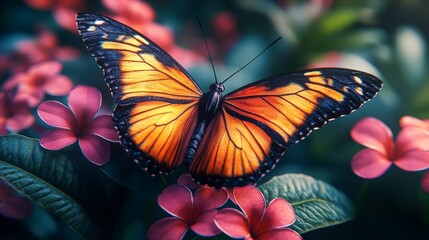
[257,122]
[157,99]
[134,67]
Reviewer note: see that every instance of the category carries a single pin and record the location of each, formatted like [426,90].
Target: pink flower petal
[177,201]
[58,85]
[57,115]
[252,202]
[95,149]
[113,5]
[20,121]
[30,94]
[6,191]
[232,222]
[57,139]
[409,121]
[205,225]
[16,207]
[65,17]
[40,4]
[284,233]
[207,198]
[102,126]
[84,101]
[66,53]
[369,163]
[187,181]
[3,130]
[413,160]
[279,213]
[411,138]
[374,134]
[45,69]
[425,182]
[167,229]
[230,192]
[13,81]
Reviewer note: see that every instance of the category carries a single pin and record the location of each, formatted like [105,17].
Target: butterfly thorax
[210,101]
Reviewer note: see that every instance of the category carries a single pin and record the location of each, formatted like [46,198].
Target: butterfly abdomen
[195,141]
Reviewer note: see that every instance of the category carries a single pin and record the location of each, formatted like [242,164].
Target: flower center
[37,81]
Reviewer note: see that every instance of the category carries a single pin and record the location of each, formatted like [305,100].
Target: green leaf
[316,203]
[337,21]
[49,178]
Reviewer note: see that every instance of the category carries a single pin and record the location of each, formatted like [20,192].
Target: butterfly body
[164,120]
[208,107]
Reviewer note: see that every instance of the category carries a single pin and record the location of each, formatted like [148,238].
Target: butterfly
[165,120]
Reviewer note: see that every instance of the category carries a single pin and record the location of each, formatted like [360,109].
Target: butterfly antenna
[208,51]
[252,59]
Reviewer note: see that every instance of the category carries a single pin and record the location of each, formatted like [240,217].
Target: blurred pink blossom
[225,26]
[64,10]
[257,221]
[37,80]
[77,123]
[140,16]
[12,205]
[409,152]
[409,121]
[195,211]
[15,115]
[29,52]
[425,182]
[46,47]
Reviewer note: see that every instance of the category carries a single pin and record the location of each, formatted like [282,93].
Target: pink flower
[45,48]
[195,211]
[187,181]
[12,205]
[78,123]
[409,121]
[15,115]
[28,52]
[64,10]
[140,16]
[258,221]
[49,4]
[225,27]
[409,152]
[425,182]
[40,79]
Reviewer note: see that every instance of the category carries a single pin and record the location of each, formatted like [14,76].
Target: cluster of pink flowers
[34,69]
[409,151]
[199,211]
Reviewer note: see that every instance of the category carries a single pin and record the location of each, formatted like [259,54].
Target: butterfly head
[218,87]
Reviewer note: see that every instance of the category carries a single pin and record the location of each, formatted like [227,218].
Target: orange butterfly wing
[257,122]
[157,99]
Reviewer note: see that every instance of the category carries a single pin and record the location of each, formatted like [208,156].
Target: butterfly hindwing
[258,121]
[156,98]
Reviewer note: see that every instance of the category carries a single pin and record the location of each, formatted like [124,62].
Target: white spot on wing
[98,22]
[91,28]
